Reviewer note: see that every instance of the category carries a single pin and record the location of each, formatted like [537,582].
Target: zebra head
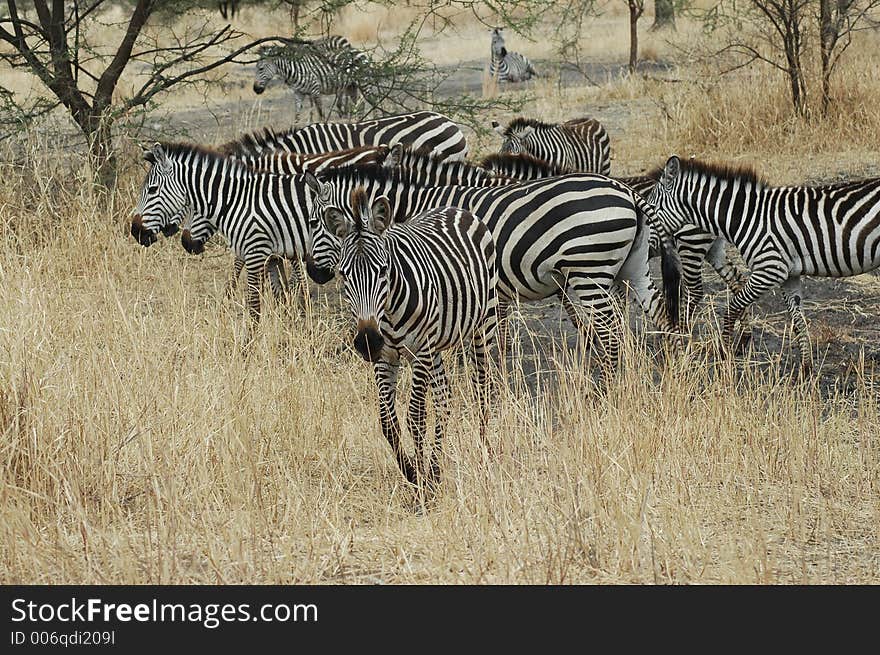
[267,68]
[364,266]
[324,257]
[498,48]
[667,196]
[163,200]
[514,142]
[197,229]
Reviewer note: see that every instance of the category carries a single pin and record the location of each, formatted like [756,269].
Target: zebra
[419,130]
[782,233]
[508,66]
[263,216]
[415,289]
[694,245]
[578,145]
[578,233]
[324,66]
[284,163]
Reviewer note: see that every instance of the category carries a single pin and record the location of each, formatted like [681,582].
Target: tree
[837,21]
[664,15]
[58,43]
[636,9]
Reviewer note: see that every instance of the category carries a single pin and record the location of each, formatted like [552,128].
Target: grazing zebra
[285,163]
[263,216]
[416,289]
[324,66]
[781,232]
[578,145]
[508,66]
[426,130]
[576,236]
[694,245]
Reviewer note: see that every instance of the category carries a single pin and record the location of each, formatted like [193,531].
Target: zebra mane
[254,143]
[521,122]
[425,158]
[193,150]
[724,171]
[502,161]
[361,174]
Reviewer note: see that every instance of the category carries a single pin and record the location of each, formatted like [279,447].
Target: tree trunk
[664,15]
[636,7]
[102,156]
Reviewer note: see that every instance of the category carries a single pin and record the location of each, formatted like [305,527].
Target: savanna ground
[141,446]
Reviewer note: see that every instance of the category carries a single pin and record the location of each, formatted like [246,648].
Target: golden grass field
[140,445]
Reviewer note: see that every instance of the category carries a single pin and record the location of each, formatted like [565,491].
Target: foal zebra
[426,130]
[577,234]
[325,66]
[578,145]
[263,216]
[416,289]
[781,232]
[508,66]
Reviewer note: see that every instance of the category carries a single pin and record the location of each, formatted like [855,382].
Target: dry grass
[139,445]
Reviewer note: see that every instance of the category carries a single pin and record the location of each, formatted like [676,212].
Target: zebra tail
[670,263]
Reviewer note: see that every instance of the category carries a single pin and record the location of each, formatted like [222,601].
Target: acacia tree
[636,9]
[63,43]
[838,20]
[664,15]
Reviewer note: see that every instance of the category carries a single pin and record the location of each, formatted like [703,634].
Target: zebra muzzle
[258,89]
[140,233]
[369,341]
[170,230]
[189,244]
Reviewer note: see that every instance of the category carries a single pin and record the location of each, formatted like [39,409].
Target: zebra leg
[440,395]
[422,374]
[503,330]
[792,291]
[232,283]
[593,315]
[275,271]
[483,377]
[766,274]
[298,285]
[316,103]
[733,278]
[386,383]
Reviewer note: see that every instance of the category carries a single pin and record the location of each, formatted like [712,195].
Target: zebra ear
[497,127]
[671,170]
[312,182]
[336,222]
[381,214]
[156,155]
[526,131]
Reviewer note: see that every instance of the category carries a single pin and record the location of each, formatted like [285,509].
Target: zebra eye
[153,188]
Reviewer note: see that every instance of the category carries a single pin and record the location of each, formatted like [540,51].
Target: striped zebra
[414,290]
[577,237]
[578,145]
[263,216]
[782,233]
[324,66]
[694,245]
[508,66]
[425,130]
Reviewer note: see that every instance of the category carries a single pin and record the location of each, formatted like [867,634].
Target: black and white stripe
[420,130]
[416,289]
[782,233]
[263,216]
[508,66]
[576,236]
[312,68]
[578,145]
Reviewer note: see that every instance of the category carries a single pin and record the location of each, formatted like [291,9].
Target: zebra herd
[433,249]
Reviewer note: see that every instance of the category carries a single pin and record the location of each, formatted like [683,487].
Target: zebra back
[521,166]
[424,168]
[579,145]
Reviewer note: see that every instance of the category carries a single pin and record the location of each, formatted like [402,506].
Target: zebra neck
[722,206]
[214,186]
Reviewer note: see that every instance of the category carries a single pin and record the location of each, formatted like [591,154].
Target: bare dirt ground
[841,312]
